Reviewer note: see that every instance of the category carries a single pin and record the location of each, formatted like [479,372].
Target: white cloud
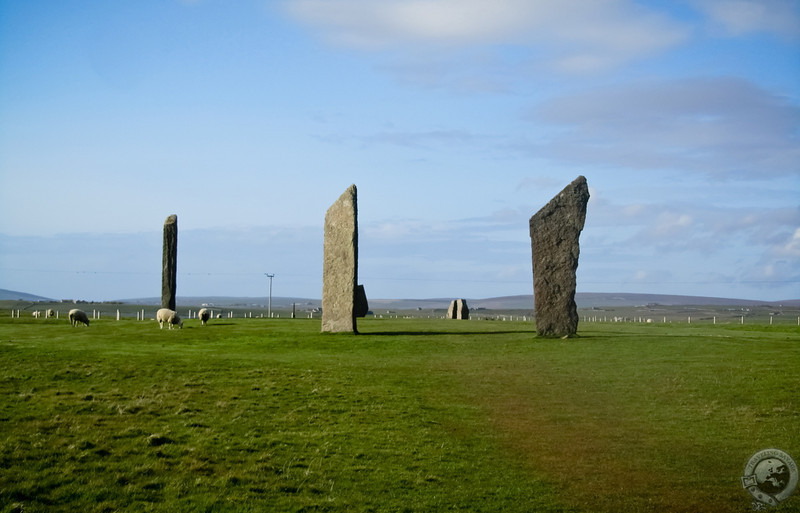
[570,35]
[792,246]
[738,17]
[671,224]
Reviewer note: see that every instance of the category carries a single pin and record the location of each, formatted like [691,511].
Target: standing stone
[458,309]
[169,263]
[340,265]
[361,305]
[555,230]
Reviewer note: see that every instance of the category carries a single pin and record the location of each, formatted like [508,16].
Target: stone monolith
[169,263]
[555,230]
[458,309]
[340,264]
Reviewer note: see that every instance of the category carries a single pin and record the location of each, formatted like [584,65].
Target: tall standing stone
[169,263]
[458,309]
[555,230]
[340,264]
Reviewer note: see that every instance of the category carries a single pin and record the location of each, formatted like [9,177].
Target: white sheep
[170,317]
[76,316]
[204,315]
[36,313]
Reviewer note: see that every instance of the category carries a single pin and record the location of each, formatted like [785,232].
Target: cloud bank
[570,36]
[721,126]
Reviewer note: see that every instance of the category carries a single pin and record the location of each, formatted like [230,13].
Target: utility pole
[269,303]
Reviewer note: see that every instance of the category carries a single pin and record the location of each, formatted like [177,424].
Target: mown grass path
[410,415]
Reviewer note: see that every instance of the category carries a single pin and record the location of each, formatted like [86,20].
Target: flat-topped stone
[458,309]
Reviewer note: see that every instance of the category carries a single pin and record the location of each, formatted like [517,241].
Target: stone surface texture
[458,309]
[340,264]
[169,263]
[555,230]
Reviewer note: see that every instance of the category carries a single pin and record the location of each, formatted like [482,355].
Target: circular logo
[770,476]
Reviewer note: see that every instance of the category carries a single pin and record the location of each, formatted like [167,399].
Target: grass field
[410,415]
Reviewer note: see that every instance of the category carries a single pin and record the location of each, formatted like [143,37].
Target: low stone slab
[458,309]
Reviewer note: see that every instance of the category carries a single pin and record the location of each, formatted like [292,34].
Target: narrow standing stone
[340,264]
[555,230]
[169,263]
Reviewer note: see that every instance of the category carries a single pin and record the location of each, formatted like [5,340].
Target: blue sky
[456,119]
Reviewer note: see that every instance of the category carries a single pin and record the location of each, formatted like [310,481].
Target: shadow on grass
[432,333]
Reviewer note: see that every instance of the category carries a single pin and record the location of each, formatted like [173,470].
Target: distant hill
[522,302]
[610,299]
[13,295]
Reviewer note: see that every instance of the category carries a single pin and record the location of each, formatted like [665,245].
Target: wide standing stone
[340,264]
[555,230]
[458,309]
[169,263]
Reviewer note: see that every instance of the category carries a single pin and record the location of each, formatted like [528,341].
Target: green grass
[410,415]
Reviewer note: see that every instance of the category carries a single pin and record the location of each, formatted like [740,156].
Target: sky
[456,119]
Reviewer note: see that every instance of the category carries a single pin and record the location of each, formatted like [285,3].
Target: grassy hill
[13,295]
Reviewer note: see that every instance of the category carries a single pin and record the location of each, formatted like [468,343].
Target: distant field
[779,315]
[410,415]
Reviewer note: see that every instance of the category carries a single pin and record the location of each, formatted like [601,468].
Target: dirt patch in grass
[599,451]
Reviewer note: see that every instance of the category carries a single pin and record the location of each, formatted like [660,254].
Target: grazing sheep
[170,317]
[76,316]
[204,315]
[36,313]
[49,313]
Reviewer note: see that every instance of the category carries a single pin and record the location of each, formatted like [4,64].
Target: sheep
[49,313]
[76,316]
[170,317]
[204,315]
[36,313]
